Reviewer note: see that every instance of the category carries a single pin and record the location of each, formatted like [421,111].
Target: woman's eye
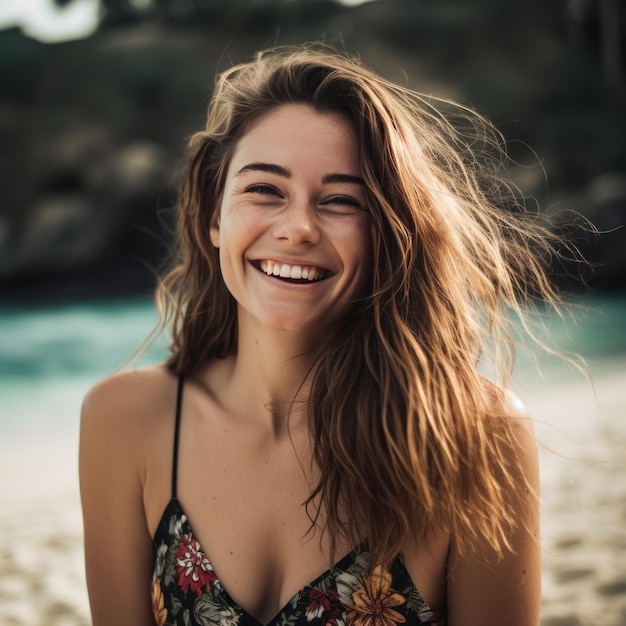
[263,189]
[342,201]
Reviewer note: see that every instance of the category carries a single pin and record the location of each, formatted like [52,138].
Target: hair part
[407,435]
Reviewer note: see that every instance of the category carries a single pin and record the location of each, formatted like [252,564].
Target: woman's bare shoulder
[128,408]
[124,419]
[520,443]
[132,394]
[506,403]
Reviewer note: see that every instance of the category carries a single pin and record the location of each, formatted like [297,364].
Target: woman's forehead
[298,134]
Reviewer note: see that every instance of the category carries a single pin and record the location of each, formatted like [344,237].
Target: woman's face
[292,226]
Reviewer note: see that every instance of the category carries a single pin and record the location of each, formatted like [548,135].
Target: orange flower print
[374,601]
[158,604]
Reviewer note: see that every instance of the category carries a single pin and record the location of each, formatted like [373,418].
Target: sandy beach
[583,503]
[583,468]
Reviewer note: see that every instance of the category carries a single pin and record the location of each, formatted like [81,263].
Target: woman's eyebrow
[265,167]
[343,178]
[272,168]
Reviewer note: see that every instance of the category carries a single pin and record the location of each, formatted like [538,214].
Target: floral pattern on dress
[374,603]
[186,591]
[193,568]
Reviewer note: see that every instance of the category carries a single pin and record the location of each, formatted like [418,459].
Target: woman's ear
[214,229]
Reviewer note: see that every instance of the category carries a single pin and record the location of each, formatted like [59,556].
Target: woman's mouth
[296,273]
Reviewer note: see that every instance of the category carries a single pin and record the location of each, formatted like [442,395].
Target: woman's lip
[292,271]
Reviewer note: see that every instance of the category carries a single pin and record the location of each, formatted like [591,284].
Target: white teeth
[296,272]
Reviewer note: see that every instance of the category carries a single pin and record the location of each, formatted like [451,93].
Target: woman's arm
[112,462]
[485,590]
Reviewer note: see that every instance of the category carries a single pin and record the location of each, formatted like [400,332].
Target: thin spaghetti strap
[179,402]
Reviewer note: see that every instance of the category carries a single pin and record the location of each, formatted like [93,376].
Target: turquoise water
[50,356]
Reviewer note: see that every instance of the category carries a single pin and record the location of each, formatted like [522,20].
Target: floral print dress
[186,591]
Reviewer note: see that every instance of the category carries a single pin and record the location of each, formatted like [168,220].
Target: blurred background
[97,99]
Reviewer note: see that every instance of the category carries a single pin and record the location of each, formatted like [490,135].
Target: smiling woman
[345,254]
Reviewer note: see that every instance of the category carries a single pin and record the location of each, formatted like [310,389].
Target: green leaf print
[177,605]
[212,610]
[415,603]
[292,620]
[186,617]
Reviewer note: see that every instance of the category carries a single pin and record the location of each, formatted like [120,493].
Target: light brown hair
[407,434]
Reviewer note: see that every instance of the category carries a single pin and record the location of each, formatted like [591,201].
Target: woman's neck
[268,378]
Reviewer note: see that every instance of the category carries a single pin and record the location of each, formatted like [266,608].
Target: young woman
[320,447]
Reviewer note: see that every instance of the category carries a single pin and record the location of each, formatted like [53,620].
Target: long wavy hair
[407,434]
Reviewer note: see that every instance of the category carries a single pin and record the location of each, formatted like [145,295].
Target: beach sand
[42,579]
[583,508]
[583,485]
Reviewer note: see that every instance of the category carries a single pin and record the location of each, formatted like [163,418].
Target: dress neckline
[175,507]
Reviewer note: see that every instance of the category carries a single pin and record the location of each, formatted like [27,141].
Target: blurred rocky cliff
[92,131]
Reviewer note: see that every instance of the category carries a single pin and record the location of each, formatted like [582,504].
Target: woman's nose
[298,224]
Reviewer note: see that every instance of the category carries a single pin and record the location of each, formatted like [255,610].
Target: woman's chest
[245,499]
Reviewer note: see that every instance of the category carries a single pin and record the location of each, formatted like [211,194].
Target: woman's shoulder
[520,420]
[126,422]
[129,400]
[505,403]
[514,455]
[510,411]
